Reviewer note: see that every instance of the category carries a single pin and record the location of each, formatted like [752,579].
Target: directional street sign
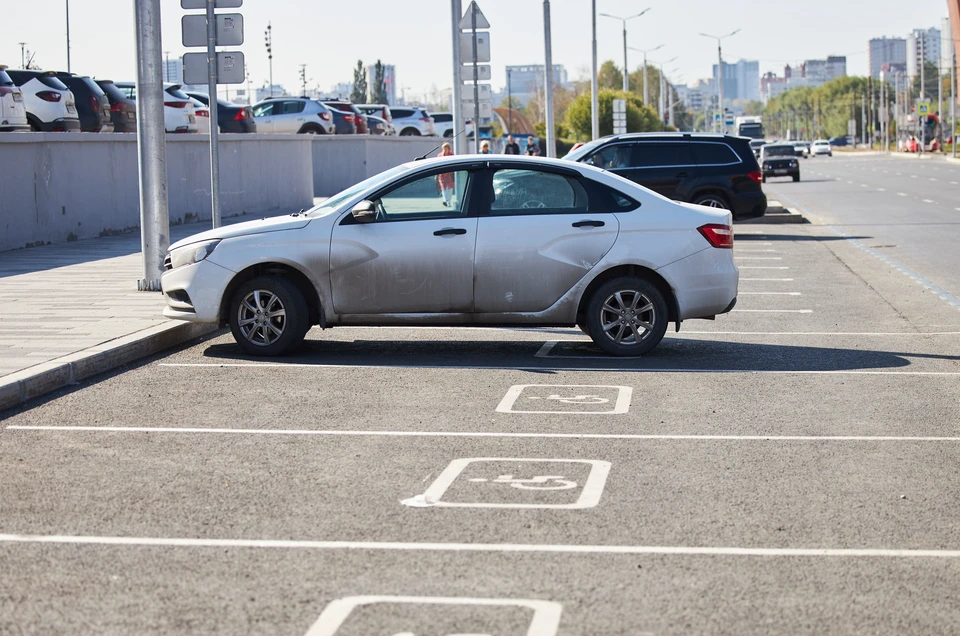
[466,22]
[202,4]
[619,116]
[466,48]
[486,94]
[484,74]
[229,68]
[229,29]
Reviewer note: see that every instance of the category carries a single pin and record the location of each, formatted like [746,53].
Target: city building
[888,55]
[740,80]
[389,81]
[525,81]
[172,70]
[264,92]
[922,44]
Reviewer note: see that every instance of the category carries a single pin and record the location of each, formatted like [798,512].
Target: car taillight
[717,235]
[49,96]
[325,116]
[425,119]
[202,113]
[241,115]
[95,103]
[348,118]
[176,104]
[116,108]
[756,175]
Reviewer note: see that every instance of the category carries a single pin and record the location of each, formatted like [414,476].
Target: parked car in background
[49,103]
[346,123]
[718,171]
[293,115]
[377,110]
[231,118]
[123,110]
[377,125]
[779,160]
[821,147]
[837,142]
[525,241]
[412,122]
[13,114]
[93,107]
[202,112]
[443,125]
[179,113]
[359,118]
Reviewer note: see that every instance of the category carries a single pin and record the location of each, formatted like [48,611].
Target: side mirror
[364,212]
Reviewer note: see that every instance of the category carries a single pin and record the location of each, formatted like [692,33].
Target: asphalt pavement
[789,468]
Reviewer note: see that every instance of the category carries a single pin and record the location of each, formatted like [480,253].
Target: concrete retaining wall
[57,187]
[342,161]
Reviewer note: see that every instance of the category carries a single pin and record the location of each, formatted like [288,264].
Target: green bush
[640,118]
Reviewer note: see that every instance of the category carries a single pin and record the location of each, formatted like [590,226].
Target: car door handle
[588,224]
[449,230]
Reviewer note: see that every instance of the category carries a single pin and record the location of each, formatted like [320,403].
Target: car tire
[796,178]
[627,334]
[310,129]
[264,332]
[712,201]
[763,179]
[410,132]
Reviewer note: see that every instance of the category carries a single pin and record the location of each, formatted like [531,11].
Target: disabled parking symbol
[567,399]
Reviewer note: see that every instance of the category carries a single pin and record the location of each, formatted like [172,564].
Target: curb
[776,214]
[43,378]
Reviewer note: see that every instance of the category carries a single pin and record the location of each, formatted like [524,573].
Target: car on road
[49,103]
[801,149]
[779,160]
[179,113]
[705,169]
[756,144]
[463,240]
[293,115]
[838,142]
[412,122]
[93,107]
[231,118]
[821,147]
[123,109]
[13,114]
[348,107]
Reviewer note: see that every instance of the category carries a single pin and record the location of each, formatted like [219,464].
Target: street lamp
[661,105]
[626,72]
[646,97]
[268,41]
[720,73]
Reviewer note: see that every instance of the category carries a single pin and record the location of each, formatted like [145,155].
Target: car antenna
[428,153]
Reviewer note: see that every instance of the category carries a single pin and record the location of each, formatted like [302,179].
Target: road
[787,469]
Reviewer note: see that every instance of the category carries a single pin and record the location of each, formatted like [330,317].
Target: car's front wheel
[627,316]
[268,316]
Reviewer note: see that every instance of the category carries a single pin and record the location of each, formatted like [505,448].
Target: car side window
[663,154]
[438,196]
[524,191]
[713,154]
[129,91]
[263,110]
[292,108]
[612,157]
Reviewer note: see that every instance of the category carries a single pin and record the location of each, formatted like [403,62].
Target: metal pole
[68,36]
[510,104]
[476,81]
[594,98]
[551,133]
[863,118]
[646,95]
[214,124]
[723,112]
[151,151]
[626,69]
[269,38]
[23,54]
[923,86]
[458,125]
[953,97]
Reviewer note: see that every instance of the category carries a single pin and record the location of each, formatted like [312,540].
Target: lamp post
[68,36]
[723,113]
[661,103]
[509,103]
[646,96]
[268,41]
[623,21]
[594,97]
[548,82]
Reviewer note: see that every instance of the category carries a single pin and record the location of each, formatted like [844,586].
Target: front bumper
[194,292]
[705,283]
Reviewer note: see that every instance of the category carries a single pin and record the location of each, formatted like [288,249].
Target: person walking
[445,181]
[533,150]
[484,147]
[512,147]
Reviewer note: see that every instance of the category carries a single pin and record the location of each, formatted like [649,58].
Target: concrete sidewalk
[73,310]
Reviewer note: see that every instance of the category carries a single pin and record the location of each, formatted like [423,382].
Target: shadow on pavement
[795,237]
[672,354]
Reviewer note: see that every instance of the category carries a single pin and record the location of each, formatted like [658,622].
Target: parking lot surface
[787,468]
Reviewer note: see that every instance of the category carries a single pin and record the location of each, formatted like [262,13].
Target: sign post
[478,50]
[619,116]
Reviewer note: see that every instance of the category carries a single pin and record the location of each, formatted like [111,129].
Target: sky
[330,36]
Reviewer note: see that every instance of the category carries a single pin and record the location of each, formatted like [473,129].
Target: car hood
[273,224]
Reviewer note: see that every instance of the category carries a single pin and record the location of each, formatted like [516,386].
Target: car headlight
[193,253]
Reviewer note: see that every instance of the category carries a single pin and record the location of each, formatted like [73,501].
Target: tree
[753,108]
[359,94]
[640,118]
[609,76]
[653,84]
[511,102]
[378,92]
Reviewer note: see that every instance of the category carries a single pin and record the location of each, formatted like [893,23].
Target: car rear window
[442,117]
[402,112]
[713,153]
[179,94]
[53,82]
[654,154]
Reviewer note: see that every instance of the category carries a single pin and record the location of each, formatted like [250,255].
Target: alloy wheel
[627,317]
[261,317]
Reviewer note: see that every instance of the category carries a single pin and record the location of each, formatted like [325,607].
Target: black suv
[93,106]
[719,171]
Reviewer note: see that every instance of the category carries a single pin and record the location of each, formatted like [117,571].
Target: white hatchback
[13,114]
[821,147]
[463,240]
[179,113]
[50,105]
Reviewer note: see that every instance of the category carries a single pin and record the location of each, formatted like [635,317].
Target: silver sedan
[464,240]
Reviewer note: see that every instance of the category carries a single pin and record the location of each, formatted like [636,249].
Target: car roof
[672,136]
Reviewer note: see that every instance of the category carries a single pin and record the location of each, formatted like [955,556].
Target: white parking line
[776,311]
[928,201]
[782,280]
[762,267]
[759,258]
[292,544]
[901,194]
[743,293]
[745,251]
[881,189]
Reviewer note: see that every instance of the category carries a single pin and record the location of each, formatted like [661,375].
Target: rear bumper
[61,125]
[705,283]
[233,126]
[749,205]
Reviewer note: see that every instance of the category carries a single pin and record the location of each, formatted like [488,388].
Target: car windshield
[778,151]
[5,79]
[584,150]
[334,202]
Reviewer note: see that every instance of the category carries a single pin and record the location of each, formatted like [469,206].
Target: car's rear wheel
[409,132]
[627,316]
[712,200]
[311,129]
[269,316]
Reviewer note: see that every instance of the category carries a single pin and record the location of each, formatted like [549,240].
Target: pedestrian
[484,147]
[445,181]
[533,150]
[512,147]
